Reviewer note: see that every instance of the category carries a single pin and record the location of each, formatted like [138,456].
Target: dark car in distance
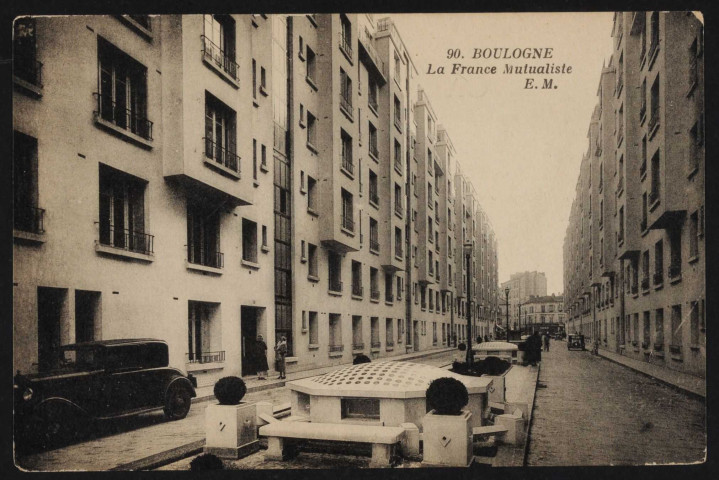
[99,380]
[575,342]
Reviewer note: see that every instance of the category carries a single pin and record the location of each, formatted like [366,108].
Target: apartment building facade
[543,314]
[634,248]
[205,179]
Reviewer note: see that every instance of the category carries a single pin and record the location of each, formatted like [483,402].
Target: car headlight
[27,394]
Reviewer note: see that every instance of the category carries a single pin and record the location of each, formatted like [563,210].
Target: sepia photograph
[294,241]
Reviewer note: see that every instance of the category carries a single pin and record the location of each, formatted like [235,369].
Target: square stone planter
[231,430]
[447,439]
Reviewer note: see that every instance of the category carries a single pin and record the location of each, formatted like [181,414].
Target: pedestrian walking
[280,354]
[259,358]
[545,342]
[533,349]
[486,338]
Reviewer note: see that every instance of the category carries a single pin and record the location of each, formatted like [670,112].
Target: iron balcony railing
[398,164]
[389,344]
[389,297]
[123,117]
[675,270]
[203,257]
[398,208]
[658,278]
[675,349]
[29,219]
[372,102]
[357,290]
[358,346]
[336,348]
[348,223]
[28,69]
[133,241]
[374,197]
[373,150]
[366,41]
[345,45]
[214,54]
[348,164]
[206,357]
[374,294]
[346,104]
[398,251]
[335,285]
[374,245]
[221,155]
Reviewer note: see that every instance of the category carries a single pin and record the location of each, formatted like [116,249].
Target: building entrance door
[415,334]
[249,319]
[50,305]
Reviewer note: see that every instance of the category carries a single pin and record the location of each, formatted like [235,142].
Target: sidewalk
[682,381]
[154,442]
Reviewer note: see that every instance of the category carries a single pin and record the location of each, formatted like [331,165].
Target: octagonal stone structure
[379,393]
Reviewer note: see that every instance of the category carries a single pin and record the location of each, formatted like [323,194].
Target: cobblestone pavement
[595,412]
[120,442]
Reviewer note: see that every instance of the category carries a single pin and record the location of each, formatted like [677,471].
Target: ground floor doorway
[251,326]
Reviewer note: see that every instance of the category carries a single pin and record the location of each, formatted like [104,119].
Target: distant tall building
[521,285]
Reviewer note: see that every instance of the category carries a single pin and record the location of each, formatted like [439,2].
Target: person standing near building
[259,358]
[545,341]
[280,354]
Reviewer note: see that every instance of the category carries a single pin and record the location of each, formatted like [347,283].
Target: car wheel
[178,402]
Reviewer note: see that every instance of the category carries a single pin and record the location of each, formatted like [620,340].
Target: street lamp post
[506,295]
[470,354]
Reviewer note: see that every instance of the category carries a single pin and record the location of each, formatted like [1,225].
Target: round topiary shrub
[206,461]
[462,347]
[230,390]
[361,358]
[447,396]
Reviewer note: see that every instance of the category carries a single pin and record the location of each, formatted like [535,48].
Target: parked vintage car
[100,380]
[575,342]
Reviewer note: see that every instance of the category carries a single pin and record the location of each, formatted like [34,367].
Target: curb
[674,386]
[529,420]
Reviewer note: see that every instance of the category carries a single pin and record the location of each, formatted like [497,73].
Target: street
[589,411]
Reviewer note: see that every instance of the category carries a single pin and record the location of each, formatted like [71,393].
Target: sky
[520,148]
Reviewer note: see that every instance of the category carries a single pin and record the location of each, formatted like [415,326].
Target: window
[694,235]
[311,131]
[654,32]
[346,94]
[367,408]
[25,64]
[335,331]
[373,235]
[203,333]
[397,68]
[676,329]
[374,283]
[399,287]
[254,159]
[263,81]
[696,140]
[621,225]
[388,294]
[658,263]
[254,79]
[249,240]
[659,329]
[373,94]
[694,324]
[398,242]
[346,36]
[374,332]
[645,212]
[373,192]
[654,106]
[398,156]
[334,265]
[27,216]
[398,200]
[373,150]
[122,211]
[122,95]
[347,211]
[643,101]
[313,330]
[646,330]
[303,122]
[218,43]
[264,238]
[675,254]
[389,333]
[301,49]
[311,193]
[656,181]
[203,235]
[357,289]
[312,260]
[347,161]
[263,163]
[397,113]
[645,270]
[357,342]
[220,134]
[311,67]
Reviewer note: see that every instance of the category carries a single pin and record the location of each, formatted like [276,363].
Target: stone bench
[381,438]
[489,430]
